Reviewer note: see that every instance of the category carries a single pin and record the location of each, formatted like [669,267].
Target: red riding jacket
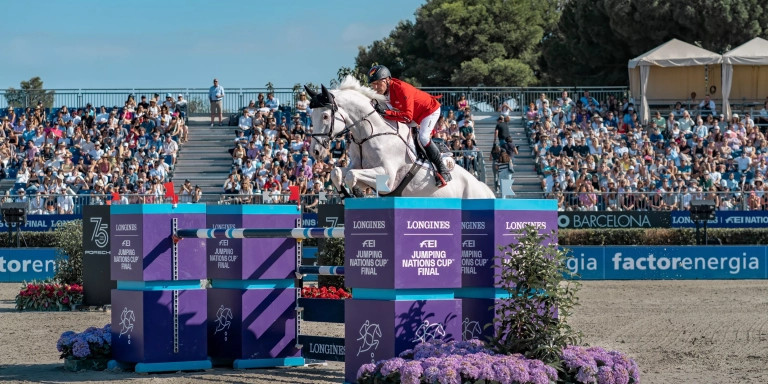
[410,103]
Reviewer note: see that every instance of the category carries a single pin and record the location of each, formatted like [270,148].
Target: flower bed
[49,296]
[471,362]
[325,293]
[90,349]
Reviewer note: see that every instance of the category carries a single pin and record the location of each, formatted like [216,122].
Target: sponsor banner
[97,284]
[724,219]
[322,348]
[42,223]
[309,220]
[668,263]
[27,264]
[611,219]
[330,215]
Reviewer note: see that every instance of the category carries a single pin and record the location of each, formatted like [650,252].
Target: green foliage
[331,253]
[28,239]
[466,43]
[661,236]
[69,238]
[196,105]
[30,93]
[533,319]
[595,39]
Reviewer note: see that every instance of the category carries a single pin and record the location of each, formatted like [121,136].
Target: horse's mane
[352,84]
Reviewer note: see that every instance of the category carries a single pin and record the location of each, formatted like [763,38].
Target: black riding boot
[442,175]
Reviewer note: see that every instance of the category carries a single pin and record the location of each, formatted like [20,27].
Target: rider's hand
[381,109]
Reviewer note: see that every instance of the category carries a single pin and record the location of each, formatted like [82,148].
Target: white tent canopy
[745,72]
[670,70]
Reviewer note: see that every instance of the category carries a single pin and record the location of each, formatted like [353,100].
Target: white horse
[378,147]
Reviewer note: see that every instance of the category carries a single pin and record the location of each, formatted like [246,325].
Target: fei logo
[369,243]
[468,244]
[428,244]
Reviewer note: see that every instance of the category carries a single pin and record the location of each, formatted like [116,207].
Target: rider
[414,107]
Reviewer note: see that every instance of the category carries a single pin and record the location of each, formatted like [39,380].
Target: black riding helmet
[378,72]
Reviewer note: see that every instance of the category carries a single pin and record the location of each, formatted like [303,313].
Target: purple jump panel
[142,243]
[402,243]
[252,323]
[488,224]
[377,330]
[477,313]
[251,259]
[143,326]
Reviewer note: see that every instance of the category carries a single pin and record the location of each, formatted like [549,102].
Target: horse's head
[324,122]
[335,113]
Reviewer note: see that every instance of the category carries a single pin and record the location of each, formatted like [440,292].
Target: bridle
[327,100]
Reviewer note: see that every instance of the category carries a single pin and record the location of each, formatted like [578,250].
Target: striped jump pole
[261,233]
[321,270]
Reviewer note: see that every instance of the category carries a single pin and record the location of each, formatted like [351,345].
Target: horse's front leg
[363,178]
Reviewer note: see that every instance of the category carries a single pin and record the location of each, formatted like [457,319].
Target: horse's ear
[310,92]
[324,91]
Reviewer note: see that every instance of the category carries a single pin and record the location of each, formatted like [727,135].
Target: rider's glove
[381,109]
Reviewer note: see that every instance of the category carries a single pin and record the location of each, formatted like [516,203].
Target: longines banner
[42,223]
[613,219]
[96,280]
[724,219]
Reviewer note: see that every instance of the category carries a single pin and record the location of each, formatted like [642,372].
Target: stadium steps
[204,159]
[527,182]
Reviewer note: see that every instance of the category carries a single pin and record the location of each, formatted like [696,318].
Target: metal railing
[481,99]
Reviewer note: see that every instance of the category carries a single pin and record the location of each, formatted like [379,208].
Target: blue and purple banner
[668,262]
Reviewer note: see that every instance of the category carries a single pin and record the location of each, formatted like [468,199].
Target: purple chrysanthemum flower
[605,375]
[411,372]
[365,368]
[80,348]
[431,373]
[391,366]
[65,340]
[448,375]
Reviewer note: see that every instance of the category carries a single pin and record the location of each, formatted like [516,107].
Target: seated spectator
[245,122]
[707,106]
[272,102]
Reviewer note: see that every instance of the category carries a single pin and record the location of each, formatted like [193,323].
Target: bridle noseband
[329,136]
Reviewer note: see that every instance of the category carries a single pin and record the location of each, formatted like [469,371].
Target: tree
[595,39]
[30,94]
[466,43]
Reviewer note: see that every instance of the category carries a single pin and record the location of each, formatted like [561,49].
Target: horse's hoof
[357,192]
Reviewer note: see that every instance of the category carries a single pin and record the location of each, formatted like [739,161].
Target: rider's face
[380,86]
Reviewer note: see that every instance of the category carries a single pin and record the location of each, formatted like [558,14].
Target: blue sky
[175,43]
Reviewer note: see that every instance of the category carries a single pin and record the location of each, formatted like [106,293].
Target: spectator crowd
[64,156]
[597,155]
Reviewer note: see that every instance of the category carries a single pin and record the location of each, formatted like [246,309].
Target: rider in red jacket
[413,107]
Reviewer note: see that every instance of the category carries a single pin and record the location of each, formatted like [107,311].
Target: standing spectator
[216,95]
[502,134]
[186,191]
